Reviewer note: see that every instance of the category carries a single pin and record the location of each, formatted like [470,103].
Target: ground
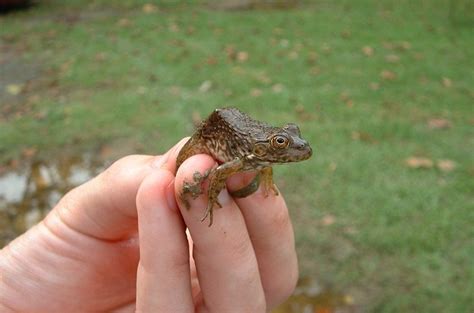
[383,91]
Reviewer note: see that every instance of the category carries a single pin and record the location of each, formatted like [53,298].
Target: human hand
[84,256]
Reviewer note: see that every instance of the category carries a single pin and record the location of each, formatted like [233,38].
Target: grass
[398,239]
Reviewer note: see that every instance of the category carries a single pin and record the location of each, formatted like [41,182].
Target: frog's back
[229,133]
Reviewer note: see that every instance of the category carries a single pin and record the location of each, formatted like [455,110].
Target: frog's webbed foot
[194,188]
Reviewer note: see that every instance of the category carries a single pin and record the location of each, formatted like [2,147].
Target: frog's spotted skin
[240,143]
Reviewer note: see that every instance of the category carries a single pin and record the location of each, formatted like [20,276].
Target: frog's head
[282,145]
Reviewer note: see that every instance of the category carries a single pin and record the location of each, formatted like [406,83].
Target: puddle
[31,188]
[312,297]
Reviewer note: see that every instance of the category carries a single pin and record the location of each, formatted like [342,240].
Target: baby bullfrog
[239,143]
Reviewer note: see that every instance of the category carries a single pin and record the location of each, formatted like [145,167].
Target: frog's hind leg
[217,180]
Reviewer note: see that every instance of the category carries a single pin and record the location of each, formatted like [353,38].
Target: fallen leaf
[205,86]
[14,89]
[173,27]
[326,48]
[124,22]
[388,75]
[368,51]
[416,162]
[374,86]
[277,88]
[312,57]
[284,43]
[439,123]
[447,82]
[293,55]
[242,56]
[299,108]
[315,70]
[141,90]
[346,34]
[149,8]
[446,165]
[328,220]
[100,56]
[196,117]
[175,90]
[256,92]
[392,58]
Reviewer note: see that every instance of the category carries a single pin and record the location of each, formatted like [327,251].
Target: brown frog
[239,143]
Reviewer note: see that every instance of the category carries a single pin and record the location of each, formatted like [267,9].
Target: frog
[239,143]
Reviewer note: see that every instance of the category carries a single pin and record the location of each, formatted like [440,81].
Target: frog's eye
[280,141]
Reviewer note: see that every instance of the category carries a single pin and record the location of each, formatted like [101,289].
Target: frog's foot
[217,182]
[210,211]
[267,182]
[194,188]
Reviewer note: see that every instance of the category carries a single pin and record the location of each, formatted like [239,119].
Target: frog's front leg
[217,180]
[266,180]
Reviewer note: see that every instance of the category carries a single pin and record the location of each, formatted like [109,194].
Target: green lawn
[371,84]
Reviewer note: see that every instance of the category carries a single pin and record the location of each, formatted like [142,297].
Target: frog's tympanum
[239,143]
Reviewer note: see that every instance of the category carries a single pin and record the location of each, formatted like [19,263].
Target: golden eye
[280,142]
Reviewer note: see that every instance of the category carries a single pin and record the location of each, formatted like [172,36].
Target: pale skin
[86,256]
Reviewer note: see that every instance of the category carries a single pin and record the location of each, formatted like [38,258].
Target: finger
[225,261]
[105,207]
[163,279]
[270,229]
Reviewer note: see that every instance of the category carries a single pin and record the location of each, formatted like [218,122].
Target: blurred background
[383,91]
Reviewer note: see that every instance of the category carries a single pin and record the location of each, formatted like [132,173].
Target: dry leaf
[242,56]
[256,92]
[124,22]
[312,57]
[446,165]
[196,117]
[293,55]
[299,108]
[328,219]
[374,86]
[205,86]
[368,51]
[14,89]
[149,8]
[439,123]
[173,27]
[100,56]
[447,82]
[277,88]
[392,58]
[416,162]
[388,75]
